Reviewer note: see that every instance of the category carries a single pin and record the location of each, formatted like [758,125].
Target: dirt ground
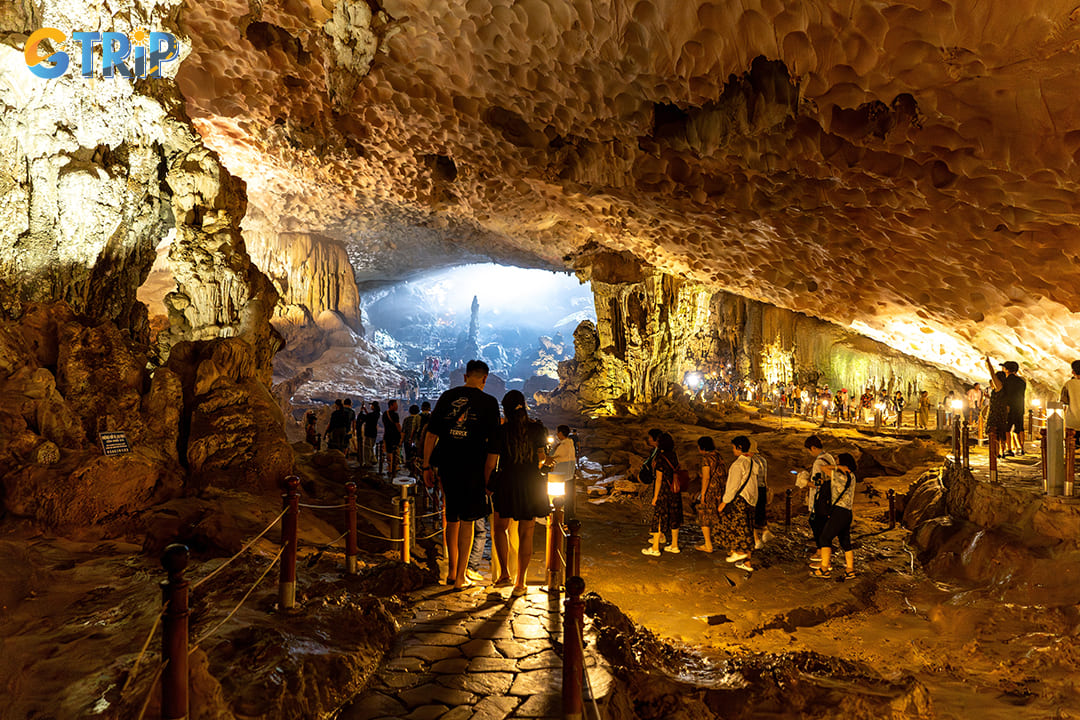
[976,655]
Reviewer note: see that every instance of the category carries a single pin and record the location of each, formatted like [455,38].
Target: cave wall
[652,328]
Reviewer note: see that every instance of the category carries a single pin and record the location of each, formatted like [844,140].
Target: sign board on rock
[114,443]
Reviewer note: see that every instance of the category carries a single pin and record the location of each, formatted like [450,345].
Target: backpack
[680,478]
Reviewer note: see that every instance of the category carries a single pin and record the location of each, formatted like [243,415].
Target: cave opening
[520,321]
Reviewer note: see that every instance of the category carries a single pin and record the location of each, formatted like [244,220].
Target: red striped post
[573,653]
[956,439]
[1042,444]
[965,436]
[174,634]
[289,526]
[1070,461]
[350,528]
[554,537]
[573,548]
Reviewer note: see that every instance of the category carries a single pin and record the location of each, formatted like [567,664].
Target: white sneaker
[736,557]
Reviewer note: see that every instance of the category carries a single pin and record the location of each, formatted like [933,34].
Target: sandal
[820,572]
[849,575]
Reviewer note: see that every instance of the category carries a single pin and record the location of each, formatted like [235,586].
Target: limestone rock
[101,379]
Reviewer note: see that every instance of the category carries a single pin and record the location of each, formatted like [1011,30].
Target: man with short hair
[1015,388]
[460,431]
[811,480]
[337,429]
[371,430]
[391,437]
[974,403]
[1070,397]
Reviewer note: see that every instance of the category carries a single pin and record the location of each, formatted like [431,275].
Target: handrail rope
[379,537]
[202,638]
[379,512]
[150,691]
[428,537]
[323,507]
[585,671]
[142,651]
[430,514]
[244,549]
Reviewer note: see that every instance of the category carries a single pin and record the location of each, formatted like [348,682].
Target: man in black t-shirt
[371,430]
[391,425]
[1015,388]
[459,436]
[337,430]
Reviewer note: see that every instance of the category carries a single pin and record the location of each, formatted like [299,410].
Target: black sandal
[820,572]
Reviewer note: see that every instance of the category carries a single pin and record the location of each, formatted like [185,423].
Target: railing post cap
[292,482]
[175,558]
[575,585]
[350,487]
[574,525]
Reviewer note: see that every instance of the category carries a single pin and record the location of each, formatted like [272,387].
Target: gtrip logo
[139,55]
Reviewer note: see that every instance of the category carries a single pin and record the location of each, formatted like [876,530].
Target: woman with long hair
[837,526]
[519,491]
[667,504]
[713,473]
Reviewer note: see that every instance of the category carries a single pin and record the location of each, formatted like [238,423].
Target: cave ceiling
[907,169]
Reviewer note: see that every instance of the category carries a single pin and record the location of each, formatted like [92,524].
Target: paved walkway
[476,654]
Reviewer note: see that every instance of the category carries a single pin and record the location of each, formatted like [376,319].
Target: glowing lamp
[556,489]
[824,403]
[1036,402]
[1055,408]
[551,439]
[957,404]
[879,406]
[693,380]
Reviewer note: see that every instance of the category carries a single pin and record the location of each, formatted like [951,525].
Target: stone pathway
[477,654]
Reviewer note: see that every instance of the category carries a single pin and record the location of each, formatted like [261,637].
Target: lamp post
[825,405]
[556,491]
[878,408]
[1055,448]
[957,407]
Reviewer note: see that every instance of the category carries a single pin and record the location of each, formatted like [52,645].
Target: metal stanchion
[573,653]
[965,437]
[892,508]
[787,507]
[1042,447]
[289,526]
[956,439]
[350,528]
[1031,423]
[1055,449]
[174,634]
[406,518]
[573,548]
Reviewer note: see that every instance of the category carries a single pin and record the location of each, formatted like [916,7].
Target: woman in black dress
[667,504]
[997,418]
[519,491]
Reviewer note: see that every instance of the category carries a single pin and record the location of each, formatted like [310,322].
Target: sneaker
[766,537]
[473,575]
[650,551]
[672,549]
[744,565]
[736,557]
[1008,453]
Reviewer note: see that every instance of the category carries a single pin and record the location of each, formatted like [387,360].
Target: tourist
[371,430]
[647,474]
[563,461]
[997,416]
[713,474]
[949,412]
[518,489]
[1070,397]
[735,530]
[811,481]
[667,510]
[866,405]
[391,437]
[1015,388]
[460,431]
[409,437]
[922,415]
[761,520]
[351,440]
[337,429]
[974,403]
[841,496]
[898,407]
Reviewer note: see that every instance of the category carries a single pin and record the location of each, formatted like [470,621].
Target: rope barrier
[379,512]
[380,537]
[585,672]
[150,692]
[430,514]
[428,537]
[142,652]
[228,617]
[242,550]
[322,507]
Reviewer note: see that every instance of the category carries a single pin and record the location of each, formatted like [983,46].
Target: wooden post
[992,448]
[965,437]
[382,456]
[289,525]
[956,439]
[554,539]
[1042,444]
[350,528]
[892,508]
[573,548]
[406,527]
[174,634]
[573,653]
[1031,423]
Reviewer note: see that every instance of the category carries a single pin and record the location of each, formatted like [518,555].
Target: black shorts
[837,527]
[465,497]
[760,521]
[1015,420]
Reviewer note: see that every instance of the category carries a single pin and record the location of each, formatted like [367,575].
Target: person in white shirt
[736,528]
[837,525]
[806,480]
[1070,397]
[563,460]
